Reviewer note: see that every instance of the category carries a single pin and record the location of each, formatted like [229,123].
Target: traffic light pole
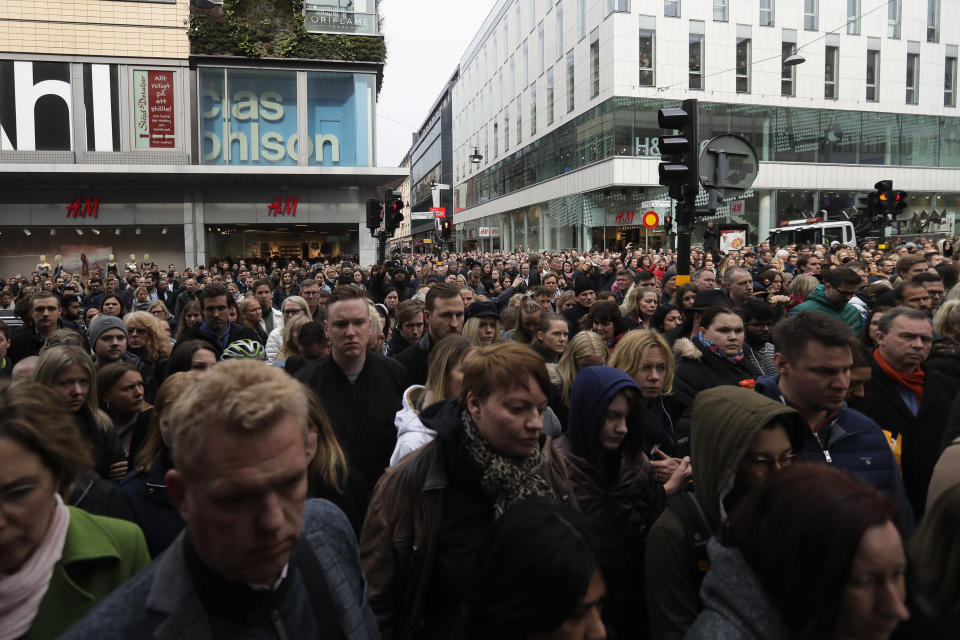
[381,246]
[686,207]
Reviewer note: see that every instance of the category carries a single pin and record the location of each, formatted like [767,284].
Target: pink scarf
[22,592]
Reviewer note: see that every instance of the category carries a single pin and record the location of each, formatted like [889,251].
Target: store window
[506,129]
[519,118]
[873,72]
[496,140]
[913,77]
[743,65]
[831,60]
[581,18]
[340,118]
[647,62]
[540,51]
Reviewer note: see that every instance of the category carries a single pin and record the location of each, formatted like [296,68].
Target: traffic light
[445,230]
[884,202]
[667,223]
[393,212]
[679,170]
[374,213]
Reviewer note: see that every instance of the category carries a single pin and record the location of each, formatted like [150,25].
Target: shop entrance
[618,237]
[300,242]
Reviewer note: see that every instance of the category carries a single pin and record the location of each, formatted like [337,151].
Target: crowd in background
[553,444]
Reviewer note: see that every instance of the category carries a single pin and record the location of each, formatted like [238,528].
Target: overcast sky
[425,39]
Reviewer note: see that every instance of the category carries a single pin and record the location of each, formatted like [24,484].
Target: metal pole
[646,239]
[686,210]
[381,246]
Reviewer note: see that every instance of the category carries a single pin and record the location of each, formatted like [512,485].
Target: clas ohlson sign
[253,117]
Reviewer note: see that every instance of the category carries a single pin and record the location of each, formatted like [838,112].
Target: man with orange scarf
[913,404]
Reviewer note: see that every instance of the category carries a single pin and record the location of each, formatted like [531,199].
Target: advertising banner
[154,110]
[733,237]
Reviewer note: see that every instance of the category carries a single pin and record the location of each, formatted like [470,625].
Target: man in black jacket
[444,315]
[360,390]
[216,327]
[27,340]
[908,400]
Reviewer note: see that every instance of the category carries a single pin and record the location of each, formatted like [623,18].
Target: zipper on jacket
[278,624]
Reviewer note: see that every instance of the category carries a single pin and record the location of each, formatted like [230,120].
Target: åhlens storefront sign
[252,117]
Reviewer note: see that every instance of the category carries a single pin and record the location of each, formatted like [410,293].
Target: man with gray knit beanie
[108,339]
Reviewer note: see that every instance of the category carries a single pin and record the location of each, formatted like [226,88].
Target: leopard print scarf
[506,480]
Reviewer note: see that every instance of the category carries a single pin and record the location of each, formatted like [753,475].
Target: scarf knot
[912,381]
[507,480]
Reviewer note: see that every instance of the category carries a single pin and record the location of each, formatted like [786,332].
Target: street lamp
[475,157]
[794,59]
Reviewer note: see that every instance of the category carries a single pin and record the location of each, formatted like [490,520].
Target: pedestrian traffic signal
[374,215]
[445,230]
[393,212]
[667,223]
[679,167]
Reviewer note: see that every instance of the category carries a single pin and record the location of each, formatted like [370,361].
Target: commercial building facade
[140,148]
[561,99]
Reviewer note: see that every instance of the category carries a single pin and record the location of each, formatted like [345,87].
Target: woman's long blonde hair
[290,347]
[583,345]
[328,466]
[157,346]
[55,360]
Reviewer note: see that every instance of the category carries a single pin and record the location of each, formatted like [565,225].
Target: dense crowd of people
[486,445]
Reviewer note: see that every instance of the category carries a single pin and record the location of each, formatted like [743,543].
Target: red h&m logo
[283,207]
[83,208]
[625,216]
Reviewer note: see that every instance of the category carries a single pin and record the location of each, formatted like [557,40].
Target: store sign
[251,117]
[83,207]
[283,207]
[625,217]
[489,232]
[439,212]
[340,16]
[154,110]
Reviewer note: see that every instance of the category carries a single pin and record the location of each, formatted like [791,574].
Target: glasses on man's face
[763,465]
[17,499]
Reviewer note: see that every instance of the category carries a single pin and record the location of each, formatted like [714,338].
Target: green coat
[99,554]
[818,302]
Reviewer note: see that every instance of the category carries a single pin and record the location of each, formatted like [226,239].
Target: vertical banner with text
[154,117]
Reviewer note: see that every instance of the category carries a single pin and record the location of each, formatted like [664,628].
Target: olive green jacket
[99,554]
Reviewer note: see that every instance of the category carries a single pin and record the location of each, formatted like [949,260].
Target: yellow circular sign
[651,219]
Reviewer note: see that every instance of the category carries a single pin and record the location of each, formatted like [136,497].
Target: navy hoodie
[593,391]
[855,443]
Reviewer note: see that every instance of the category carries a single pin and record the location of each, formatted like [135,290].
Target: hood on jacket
[408,418]
[724,422]
[593,391]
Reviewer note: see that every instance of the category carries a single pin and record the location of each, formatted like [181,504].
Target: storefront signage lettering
[625,217]
[267,109]
[154,109]
[340,22]
[283,207]
[83,207]
[489,232]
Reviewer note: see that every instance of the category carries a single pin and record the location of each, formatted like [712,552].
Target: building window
[913,77]
[873,72]
[696,61]
[540,51]
[519,118]
[517,20]
[647,61]
[811,11]
[620,6]
[500,88]
[486,143]
[570,82]
[526,63]
[533,14]
[496,140]
[788,74]
[720,10]
[512,86]
[506,129]
[830,73]
[950,82]
[766,13]
[933,20]
[595,63]
[559,30]
[893,18]
[549,96]
[743,65]
[533,109]
[853,17]
[671,8]
[582,18]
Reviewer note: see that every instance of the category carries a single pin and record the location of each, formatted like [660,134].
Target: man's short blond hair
[236,395]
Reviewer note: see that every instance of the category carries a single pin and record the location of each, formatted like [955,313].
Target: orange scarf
[912,381]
